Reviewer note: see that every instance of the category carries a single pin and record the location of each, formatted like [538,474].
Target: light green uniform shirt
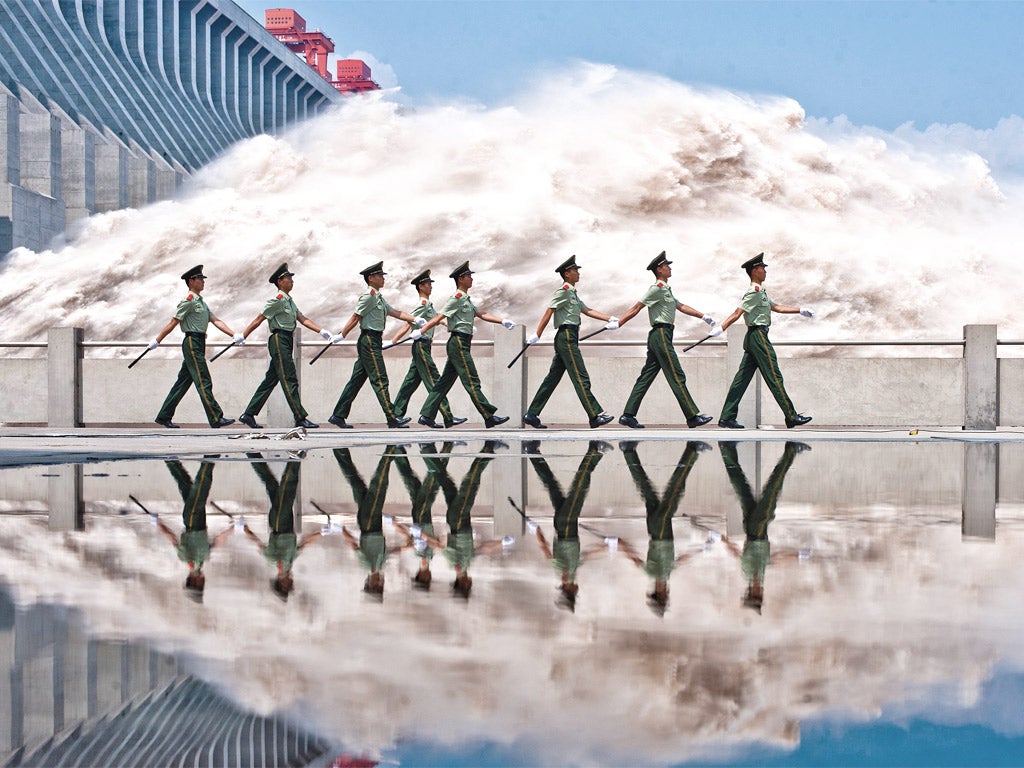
[282,548]
[194,547]
[661,558]
[567,305]
[755,558]
[459,550]
[281,312]
[193,314]
[372,310]
[372,551]
[460,312]
[756,306]
[425,309]
[660,303]
[565,557]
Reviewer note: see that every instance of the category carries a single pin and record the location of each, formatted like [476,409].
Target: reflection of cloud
[883,613]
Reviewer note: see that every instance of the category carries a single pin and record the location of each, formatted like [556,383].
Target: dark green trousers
[194,370]
[370,497]
[458,516]
[567,507]
[281,371]
[758,355]
[661,508]
[567,360]
[757,512]
[369,366]
[423,493]
[661,357]
[193,493]
[421,370]
[460,366]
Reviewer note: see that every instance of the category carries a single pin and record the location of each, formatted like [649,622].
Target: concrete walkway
[46,445]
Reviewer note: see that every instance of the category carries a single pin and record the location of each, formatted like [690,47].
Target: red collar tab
[458,295]
[190,297]
[661,284]
[280,295]
[373,292]
[423,303]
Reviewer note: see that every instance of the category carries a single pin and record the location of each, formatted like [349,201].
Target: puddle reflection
[658,639]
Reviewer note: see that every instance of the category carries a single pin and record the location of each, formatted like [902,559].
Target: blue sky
[879,63]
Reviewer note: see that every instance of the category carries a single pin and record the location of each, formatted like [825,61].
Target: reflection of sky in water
[884,633]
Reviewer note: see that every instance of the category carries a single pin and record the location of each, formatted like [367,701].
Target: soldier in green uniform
[758,352]
[370,547]
[371,314]
[459,311]
[282,316]
[420,534]
[422,369]
[565,553]
[757,514]
[283,545]
[566,306]
[459,547]
[661,556]
[194,545]
[662,306]
[193,316]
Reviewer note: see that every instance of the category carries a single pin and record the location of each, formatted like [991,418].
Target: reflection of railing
[960,387]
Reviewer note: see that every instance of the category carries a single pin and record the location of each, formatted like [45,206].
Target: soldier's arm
[736,315]
[784,309]
[630,313]
[488,317]
[686,309]
[171,325]
[220,324]
[301,318]
[401,315]
[352,323]
[253,325]
[544,320]
[401,333]
[597,315]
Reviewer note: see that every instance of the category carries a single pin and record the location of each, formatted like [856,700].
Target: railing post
[750,406]
[64,377]
[981,396]
[981,482]
[509,387]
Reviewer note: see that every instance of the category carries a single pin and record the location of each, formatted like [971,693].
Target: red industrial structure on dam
[353,75]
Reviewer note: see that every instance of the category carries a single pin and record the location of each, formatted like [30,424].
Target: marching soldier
[422,369]
[758,352]
[460,311]
[566,306]
[194,316]
[281,315]
[371,314]
[662,306]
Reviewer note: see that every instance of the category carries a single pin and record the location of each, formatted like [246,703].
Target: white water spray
[882,236]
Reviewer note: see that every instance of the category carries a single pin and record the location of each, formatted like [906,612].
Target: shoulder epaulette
[458,295]
[373,292]
[661,284]
[280,296]
[190,297]
[565,287]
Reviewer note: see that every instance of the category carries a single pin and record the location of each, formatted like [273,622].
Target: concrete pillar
[508,476]
[78,170]
[981,480]
[279,415]
[508,384]
[64,489]
[981,395]
[750,407]
[111,178]
[41,153]
[64,377]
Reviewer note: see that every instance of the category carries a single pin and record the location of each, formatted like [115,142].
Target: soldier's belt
[664,325]
[757,328]
[282,331]
[195,334]
[466,336]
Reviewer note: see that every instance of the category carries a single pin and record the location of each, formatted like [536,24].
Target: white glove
[612,324]
[612,542]
[420,544]
[532,340]
[326,334]
[239,523]
[416,334]
[709,320]
[420,322]
[807,312]
[336,338]
[415,530]
[153,518]
[325,530]
[387,519]
[509,324]
[473,332]
[238,339]
[508,541]
[387,345]
[531,526]
[153,344]
[716,331]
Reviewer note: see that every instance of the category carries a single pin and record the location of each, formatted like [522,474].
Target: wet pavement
[850,597]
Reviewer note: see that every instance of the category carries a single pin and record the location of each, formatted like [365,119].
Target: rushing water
[903,234]
[645,603]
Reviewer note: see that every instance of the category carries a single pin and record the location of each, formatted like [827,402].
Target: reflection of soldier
[565,553]
[421,533]
[370,546]
[459,546]
[194,544]
[757,513]
[282,547]
[661,554]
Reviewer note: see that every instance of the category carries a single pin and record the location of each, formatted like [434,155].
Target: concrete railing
[975,390]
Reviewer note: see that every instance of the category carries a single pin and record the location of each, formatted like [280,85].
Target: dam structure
[108,104]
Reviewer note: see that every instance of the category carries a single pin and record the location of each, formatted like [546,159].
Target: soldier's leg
[673,369]
[548,385]
[765,510]
[462,506]
[466,369]
[373,363]
[195,359]
[549,481]
[371,508]
[569,513]
[262,393]
[284,364]
[428,373]
[740,382]
[178,389]
[572,359]
[768,365]
[441,387]
[737,478]
[409,385]
[674,490]
[644,381]
[640,478]
[181,477]
[348,468]
[348,394]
